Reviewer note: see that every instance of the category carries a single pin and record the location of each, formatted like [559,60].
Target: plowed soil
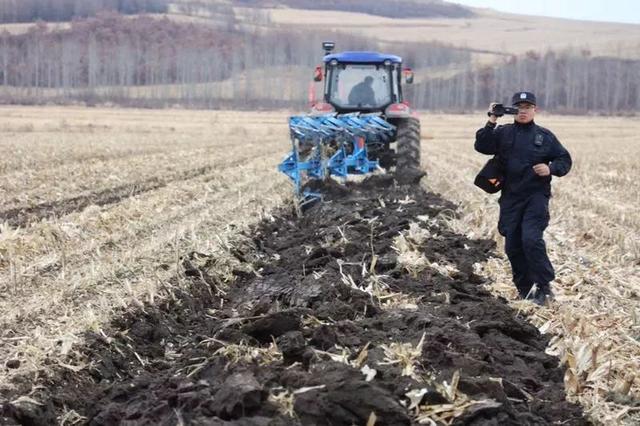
[300,284]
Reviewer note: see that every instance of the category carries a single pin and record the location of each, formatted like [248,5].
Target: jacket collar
[525,126]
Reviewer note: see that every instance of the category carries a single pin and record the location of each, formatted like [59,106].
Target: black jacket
[519,147]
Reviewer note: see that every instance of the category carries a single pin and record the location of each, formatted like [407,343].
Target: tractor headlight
[387,63]
[333,62]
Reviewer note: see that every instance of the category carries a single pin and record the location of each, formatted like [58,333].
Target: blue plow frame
[332,145]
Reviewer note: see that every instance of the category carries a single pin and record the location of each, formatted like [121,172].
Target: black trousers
[522,223]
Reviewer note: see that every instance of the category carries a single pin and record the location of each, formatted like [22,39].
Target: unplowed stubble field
[98,205]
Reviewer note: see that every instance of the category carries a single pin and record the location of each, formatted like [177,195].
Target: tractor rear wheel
[408,151]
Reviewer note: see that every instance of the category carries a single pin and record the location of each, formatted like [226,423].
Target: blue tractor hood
[363,57]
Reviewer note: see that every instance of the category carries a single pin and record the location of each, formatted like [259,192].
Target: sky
[591,10]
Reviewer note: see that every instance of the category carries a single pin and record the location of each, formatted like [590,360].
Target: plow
[362,125]
[331,145]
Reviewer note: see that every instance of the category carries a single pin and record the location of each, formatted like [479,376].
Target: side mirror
[317,74]
[408,75]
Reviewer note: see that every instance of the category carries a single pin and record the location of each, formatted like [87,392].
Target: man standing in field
[529,155]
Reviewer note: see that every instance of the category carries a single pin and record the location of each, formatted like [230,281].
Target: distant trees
[571,81]
[65,10]
[159,61]
[112,52]
[427,55]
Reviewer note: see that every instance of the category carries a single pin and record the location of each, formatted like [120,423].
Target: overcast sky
[592,10]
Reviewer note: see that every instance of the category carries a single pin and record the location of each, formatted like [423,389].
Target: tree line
[66,10]
[572,81]
[160,61]
[147,61]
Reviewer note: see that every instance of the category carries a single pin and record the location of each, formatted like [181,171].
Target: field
[144,253]
[491,34]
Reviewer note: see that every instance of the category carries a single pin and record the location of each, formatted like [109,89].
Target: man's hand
[542,169]
[492,118]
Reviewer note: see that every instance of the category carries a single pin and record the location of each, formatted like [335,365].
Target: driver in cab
[362,93]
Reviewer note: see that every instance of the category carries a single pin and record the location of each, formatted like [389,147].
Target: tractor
[353,129]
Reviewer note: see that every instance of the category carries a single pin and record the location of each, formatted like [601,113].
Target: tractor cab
[362,82]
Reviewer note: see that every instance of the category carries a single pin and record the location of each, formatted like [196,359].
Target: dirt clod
[273,325]
[12,363]
[239,395]
[292,345]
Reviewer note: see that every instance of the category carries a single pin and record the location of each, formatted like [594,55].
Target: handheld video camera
[499,110]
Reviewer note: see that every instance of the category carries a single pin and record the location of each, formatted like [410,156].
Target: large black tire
[408,151]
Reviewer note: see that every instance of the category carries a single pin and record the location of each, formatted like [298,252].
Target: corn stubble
[63,275]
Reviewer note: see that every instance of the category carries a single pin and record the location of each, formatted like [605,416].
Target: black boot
[542,294]
[523,289]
